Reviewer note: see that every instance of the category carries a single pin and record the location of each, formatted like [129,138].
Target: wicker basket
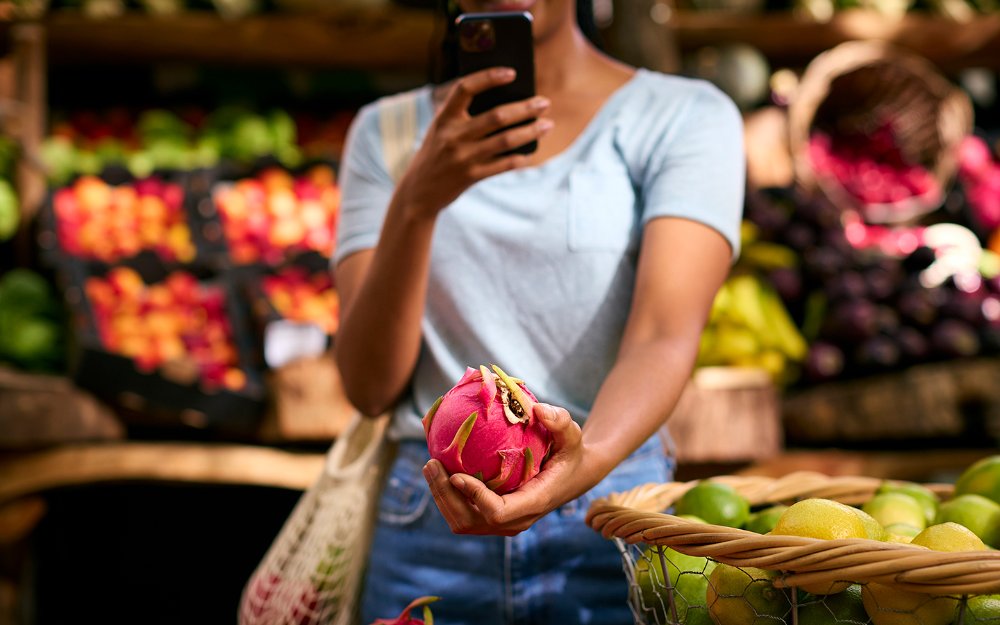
[635,517]
[852,89]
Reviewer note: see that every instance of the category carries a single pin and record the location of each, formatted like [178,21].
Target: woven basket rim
[955,120]
[636,516]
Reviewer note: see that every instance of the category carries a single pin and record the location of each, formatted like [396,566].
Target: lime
[981,478]
[827,520]
[745,596]
[981,609]
[843,607]
[901,532]
[873,529]
[688,577]
[891,508]
[927,498]
[763,521]
[979,514]
[715,502]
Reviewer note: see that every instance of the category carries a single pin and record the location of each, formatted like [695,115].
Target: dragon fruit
[484,426]
[404,617]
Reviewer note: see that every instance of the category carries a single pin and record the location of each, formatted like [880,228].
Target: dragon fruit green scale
[484,427]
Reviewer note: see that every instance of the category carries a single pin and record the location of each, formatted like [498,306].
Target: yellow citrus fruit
[979,514]
[981,478]
[745,596]
[763,521]
[717,503]
[927,498]
[827,520]
[887,605]
[688,577]
[845,607]
[949,536]
[891,508]
[873,529]
[981,610]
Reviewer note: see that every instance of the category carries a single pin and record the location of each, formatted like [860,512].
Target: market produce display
[298,295]
[484,426]
[698,589]
[275,215]
[98,221]
[32,324]
[179,321]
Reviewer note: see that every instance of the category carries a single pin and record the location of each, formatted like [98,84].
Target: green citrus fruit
[891,508]
[979,514]
[717,503]
[763,521]
[745,596]
[901,532]
[981,478]
[688,576]
[873,529]
[981,610]
[927,498]
[844,607]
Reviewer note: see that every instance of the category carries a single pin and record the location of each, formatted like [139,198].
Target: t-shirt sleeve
[698,171]
[365,186]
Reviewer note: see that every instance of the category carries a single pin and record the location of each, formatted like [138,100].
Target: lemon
[763,521]
[979,514]
[927,498]
[717,503]
[981,610]
[827,520]
[949,536]
[891,508]
[889,606]
[844,607]
[981,478]
[745,596]
[688,577]
[873,529]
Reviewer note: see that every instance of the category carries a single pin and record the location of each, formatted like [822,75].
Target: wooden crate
[307,403]
[726,415]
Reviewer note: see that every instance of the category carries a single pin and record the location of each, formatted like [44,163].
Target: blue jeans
[559,571]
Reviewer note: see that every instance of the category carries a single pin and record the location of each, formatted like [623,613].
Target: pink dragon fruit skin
[404,617]
[484,427]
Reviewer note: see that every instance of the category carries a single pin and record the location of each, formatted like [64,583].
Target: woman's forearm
[379,337]
[635,400]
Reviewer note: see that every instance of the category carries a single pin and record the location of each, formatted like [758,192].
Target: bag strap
[398,125]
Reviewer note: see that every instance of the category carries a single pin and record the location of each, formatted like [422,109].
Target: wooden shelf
[26,474]
[392,39]
[790,40]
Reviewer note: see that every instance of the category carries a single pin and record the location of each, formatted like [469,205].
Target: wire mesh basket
[682,571]
[896,122]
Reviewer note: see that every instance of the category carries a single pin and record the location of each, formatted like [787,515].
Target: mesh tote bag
[312,572]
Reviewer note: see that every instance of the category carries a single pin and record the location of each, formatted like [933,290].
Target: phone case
[498,40]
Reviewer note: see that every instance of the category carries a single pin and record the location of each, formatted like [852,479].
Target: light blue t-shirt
[533,269]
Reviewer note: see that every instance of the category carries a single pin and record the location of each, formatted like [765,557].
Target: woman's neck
[562,59]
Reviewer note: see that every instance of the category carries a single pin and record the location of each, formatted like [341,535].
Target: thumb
[565,432]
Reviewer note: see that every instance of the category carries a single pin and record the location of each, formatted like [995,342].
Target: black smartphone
[498,40]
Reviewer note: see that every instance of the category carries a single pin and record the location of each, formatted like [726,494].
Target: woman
[586,268]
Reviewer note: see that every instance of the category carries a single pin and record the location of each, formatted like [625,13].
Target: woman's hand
[471,508]
[460,150]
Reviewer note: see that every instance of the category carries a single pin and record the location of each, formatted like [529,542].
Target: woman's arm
[681,266]
[383,291]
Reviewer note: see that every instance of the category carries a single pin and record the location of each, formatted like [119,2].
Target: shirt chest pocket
[602,216]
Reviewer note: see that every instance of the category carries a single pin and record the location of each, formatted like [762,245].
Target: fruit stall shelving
[789,39]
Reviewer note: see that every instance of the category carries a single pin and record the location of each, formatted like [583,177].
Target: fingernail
[545,125]
[460,483]
[540,103]
[431,470]
[503,72]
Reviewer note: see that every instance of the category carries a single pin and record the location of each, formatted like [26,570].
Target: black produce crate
[53,254]
[169,397]
[202,184]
